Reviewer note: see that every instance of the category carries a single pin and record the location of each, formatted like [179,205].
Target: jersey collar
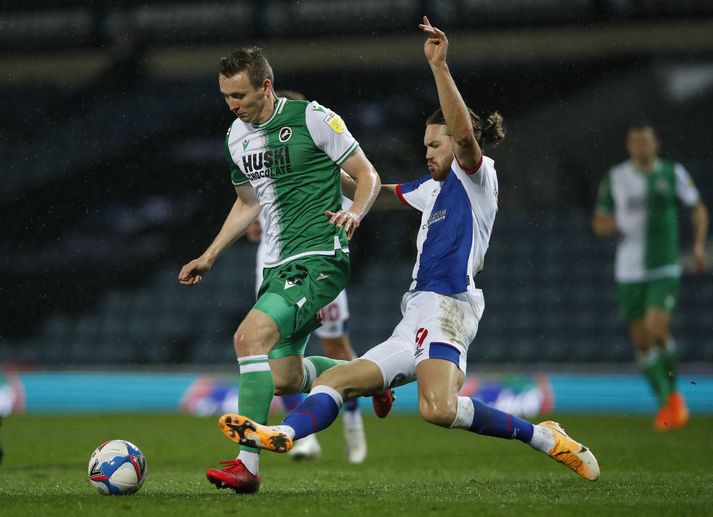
[278,108]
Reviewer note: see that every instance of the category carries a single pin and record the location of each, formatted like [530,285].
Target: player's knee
[249,343]
[333,380]
[657,333]
[284,389]
[339,351]
[437,412]
[640,339]
[344,381]
[642,345]
[286,383]
[241,344]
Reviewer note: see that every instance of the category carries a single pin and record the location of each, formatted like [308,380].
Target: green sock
[313,368]
[652,366]
[670,359]
[255,389]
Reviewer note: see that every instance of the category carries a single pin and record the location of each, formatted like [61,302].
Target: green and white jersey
[646,212]
[293,161]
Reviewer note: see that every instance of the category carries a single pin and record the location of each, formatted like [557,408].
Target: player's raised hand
[192,273]
[436,46]
[348,220]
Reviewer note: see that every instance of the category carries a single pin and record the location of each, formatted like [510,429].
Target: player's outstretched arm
[244,211]
[454,109]
[699,219]
[386,200]
[603,221]
[367,180]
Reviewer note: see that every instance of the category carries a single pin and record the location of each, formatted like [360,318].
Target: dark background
[113,170]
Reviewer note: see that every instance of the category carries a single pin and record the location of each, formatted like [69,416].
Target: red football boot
[383,403]
[235,476]
[679,410]
[664,419]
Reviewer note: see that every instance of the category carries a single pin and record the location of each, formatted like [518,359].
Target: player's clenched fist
[192,273]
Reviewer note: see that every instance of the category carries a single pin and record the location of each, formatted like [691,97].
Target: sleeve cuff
[401,197]
[474,169]
[344,157]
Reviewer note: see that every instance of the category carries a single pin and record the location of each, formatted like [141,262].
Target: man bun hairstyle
[493,131]
[487,134]
[251,60]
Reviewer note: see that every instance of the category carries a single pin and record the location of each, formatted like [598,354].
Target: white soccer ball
[117,467]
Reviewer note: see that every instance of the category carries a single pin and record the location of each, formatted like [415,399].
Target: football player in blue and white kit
[458,201]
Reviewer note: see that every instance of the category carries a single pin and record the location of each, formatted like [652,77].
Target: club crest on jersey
[437,216]
[285,134]
[335,122]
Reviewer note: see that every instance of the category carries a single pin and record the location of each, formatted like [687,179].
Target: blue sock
[317,412]
[351,405]
[489,421]
[290,402]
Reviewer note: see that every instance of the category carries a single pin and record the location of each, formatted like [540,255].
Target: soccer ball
[117,467]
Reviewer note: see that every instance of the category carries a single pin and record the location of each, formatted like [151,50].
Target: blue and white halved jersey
[456,223]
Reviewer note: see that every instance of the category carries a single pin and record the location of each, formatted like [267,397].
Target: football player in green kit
[285,158]
[638,202]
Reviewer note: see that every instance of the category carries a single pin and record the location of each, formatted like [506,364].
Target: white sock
[543,438]
[251,460]
[336,397]
[670,345]
[465,413]
[352,419]
[645,358]
[309,374]
[287,430]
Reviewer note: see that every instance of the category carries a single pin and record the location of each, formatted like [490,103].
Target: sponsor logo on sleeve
[335,122]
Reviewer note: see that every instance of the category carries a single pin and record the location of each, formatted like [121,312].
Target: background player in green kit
[638,202]
[285,158]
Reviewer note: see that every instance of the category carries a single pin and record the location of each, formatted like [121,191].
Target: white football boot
[306,448]
[354,437]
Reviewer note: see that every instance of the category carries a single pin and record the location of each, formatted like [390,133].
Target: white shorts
[434,326]
[334,318]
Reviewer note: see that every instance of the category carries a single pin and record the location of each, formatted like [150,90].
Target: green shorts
[293,294]
[636,297]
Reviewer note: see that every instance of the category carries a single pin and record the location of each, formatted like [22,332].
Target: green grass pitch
[412,469]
